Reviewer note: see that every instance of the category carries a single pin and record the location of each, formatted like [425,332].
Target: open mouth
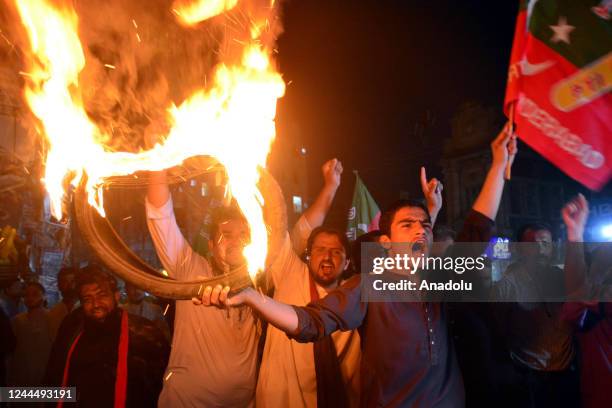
[418,246]
[326,267]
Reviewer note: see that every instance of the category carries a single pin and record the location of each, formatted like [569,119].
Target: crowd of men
[310,340]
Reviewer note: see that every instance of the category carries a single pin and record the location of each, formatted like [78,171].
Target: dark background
[361,74]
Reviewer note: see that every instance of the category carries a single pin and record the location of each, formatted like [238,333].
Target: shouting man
[407,354]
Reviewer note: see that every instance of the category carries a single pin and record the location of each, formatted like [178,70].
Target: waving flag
[560,83]
[364,212]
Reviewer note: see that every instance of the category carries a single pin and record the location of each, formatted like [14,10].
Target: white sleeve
[285,263]
[299,235]
[174,252]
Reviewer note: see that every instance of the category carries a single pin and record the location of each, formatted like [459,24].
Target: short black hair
[387,216]
[66,270]
[94,274]
[534,226]
[223,214]
[331,231]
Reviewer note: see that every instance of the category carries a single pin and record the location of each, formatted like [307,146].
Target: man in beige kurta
[214,352]
[287,376]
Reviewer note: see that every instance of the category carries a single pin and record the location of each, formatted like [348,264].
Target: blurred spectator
[67,287]
[532,289]
[11,299]
[31,328]
[593,321]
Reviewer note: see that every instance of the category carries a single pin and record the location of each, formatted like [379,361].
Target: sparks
[201,10]
[236,112]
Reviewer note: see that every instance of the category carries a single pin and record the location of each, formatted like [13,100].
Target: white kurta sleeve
[174,252]
[299,235]
[286,263]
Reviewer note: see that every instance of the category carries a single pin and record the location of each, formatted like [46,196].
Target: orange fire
[196,11]
[232,120]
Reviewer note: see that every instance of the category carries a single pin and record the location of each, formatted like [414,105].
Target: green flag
[364,213]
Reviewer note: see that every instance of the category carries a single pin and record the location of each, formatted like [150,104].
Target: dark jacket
[93,366]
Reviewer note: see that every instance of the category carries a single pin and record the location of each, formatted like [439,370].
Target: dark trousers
[544,389]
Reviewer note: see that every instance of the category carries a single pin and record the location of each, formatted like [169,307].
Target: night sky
[360,74]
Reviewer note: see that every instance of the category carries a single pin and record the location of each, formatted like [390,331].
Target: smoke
[140,59]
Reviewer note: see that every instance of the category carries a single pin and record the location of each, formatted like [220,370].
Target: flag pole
[508,171]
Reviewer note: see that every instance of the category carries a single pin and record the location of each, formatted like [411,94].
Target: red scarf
[122,365]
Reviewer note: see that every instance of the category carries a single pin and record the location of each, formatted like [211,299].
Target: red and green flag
[364,213]
[560,83]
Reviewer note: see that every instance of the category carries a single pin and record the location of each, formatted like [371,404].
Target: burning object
[100,77]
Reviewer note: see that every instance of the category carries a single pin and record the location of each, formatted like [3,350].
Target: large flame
[199,10]
[232,120]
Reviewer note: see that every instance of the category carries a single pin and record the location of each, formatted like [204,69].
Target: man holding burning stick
[407,355]
[214,355]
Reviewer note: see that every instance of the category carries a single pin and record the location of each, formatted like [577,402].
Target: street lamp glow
[606,231]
